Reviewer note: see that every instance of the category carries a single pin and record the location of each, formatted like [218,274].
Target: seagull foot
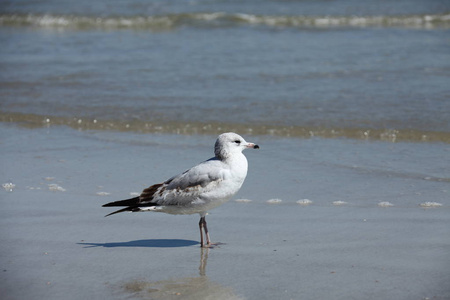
[213,245]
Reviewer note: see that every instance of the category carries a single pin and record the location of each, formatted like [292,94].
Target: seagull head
[229,143]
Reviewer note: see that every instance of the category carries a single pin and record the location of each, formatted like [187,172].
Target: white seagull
[200,188]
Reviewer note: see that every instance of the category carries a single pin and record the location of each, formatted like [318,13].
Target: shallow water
[377,71]
[316,171]
[55,239]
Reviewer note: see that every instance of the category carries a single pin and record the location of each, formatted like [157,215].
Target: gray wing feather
[187,186]
[198,176]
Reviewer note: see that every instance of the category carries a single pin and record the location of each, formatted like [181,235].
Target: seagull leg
[208,241]
[200,225]
[204,228]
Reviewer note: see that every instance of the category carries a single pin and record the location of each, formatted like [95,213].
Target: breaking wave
[218,20]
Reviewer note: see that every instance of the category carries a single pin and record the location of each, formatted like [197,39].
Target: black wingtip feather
[127,202]
[132,205]
[121,210]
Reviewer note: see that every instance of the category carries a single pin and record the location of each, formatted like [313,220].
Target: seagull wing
[186,187]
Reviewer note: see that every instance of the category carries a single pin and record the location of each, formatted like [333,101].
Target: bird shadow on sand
[155,243]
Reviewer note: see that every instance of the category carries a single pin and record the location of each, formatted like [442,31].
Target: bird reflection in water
[199,287]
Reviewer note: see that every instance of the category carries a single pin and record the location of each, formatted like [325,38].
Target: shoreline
[34,121]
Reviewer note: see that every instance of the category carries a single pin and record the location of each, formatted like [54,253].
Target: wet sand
[365,233]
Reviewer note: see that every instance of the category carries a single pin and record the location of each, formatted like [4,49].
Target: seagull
[198,189]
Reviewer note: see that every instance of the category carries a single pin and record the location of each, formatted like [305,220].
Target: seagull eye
[237,142]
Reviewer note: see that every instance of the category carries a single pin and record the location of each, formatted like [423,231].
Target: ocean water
[348,99]
[358,69]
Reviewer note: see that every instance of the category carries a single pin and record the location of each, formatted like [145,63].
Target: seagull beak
[251,145]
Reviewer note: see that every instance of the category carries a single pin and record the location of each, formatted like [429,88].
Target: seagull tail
[131,204]
[128,202]
[130,208]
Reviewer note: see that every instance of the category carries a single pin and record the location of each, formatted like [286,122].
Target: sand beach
[343,243]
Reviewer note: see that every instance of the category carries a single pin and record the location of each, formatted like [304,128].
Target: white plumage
[200,188]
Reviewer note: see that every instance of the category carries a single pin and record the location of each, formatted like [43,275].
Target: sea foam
[9,186]
[304,202]
[430,204]
[274,201]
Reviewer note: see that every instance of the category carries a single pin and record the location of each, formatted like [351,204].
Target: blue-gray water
[361,69]
[377,224]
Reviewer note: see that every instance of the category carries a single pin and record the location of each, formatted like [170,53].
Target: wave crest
[219,19]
